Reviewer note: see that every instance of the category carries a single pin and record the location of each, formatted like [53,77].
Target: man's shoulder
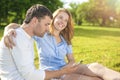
[19,30]
[20,35]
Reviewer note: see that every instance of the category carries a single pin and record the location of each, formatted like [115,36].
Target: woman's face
[61,20]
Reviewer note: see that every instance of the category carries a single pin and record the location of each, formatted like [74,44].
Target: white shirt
[18,64]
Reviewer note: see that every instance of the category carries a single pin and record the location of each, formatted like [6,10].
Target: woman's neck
[57,36]
[56,33]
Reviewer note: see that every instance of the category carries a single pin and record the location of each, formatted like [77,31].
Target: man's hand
[8,38]
[9,33]
[11,26]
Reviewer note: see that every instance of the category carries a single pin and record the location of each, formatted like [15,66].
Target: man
[18,63]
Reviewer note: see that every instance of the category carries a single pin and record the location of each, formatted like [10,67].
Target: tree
[73,12]
[97,12]
[14,10]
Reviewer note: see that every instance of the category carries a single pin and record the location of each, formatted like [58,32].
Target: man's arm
[24,59]
[9,33]
[11,26]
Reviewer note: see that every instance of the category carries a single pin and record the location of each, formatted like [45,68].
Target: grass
[95,44]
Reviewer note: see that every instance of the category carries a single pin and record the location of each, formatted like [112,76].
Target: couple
[53,47]
[18,63]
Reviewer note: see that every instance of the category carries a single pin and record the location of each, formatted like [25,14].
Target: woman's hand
[68,65]
[72,68]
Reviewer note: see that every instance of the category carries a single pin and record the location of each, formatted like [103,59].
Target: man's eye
[47,24]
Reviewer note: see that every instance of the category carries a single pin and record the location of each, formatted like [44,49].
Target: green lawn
[95,44]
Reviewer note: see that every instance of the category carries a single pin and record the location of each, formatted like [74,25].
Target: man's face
[42,26]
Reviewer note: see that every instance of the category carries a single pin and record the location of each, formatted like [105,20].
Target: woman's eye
[60,17]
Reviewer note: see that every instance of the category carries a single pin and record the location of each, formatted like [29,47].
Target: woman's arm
[70,59]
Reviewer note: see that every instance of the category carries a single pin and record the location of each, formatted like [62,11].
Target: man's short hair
[38,11]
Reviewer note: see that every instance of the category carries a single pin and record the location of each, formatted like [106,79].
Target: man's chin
[41,35]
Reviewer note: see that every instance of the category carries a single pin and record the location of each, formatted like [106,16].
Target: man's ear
[34,20]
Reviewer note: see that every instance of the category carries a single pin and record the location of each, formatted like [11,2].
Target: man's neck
[28,29]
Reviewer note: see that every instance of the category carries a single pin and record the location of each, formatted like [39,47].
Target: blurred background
[90,12]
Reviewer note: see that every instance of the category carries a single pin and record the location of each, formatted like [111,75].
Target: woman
[56,45]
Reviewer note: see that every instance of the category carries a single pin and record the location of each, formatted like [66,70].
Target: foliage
[14,10]
[97,12]
[74,7]
[1,32]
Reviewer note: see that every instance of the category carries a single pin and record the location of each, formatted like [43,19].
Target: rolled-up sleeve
[69,49]
[23,55]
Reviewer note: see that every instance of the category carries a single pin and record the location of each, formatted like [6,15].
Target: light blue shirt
[52,55]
